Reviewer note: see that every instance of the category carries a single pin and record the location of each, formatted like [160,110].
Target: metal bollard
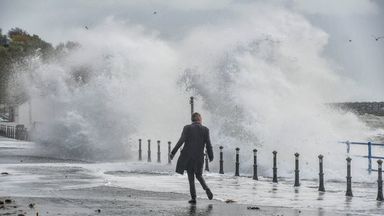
[274,167]
[221,160]
[149,150]
[191,102]
[369,157]
[26,134]
[206,162]
[349,178]
[169,152]
[380,181]
[321,174]
[158,152]
[237,173]
[140,151]
[297,181]
[255,165]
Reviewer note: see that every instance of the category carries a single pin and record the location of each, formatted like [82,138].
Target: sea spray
[260,81]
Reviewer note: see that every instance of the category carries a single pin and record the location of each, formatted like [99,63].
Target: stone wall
[374,108]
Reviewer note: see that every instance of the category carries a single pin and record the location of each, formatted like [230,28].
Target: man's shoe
[209,193]
[192,201]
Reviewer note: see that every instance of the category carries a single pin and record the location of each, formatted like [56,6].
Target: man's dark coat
[195,136]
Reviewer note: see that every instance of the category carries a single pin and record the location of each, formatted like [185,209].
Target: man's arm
[179,143]
[208,146]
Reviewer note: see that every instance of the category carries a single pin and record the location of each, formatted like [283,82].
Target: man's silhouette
[194,137]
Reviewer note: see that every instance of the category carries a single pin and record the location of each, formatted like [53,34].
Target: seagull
[86,27]
[378,38]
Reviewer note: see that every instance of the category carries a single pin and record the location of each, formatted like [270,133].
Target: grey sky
[362,59]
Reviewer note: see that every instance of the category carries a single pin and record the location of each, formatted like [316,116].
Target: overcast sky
[350,24]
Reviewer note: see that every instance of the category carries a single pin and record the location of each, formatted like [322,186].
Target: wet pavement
[67,187]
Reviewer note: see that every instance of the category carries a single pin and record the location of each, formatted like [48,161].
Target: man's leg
[191,179]
[200,178]
[204,185]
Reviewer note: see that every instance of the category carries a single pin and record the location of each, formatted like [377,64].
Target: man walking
[194,137]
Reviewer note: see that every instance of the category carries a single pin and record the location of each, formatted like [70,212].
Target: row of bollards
[158,152]
[297,171]
[321,187]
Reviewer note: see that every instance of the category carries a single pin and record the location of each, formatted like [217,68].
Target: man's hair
[195,117]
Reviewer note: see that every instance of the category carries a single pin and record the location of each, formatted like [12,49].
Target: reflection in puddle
[201,212]
[321,196]
[348,201]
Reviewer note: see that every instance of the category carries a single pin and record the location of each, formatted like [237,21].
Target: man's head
[196,118]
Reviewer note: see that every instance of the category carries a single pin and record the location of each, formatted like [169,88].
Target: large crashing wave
[260,81]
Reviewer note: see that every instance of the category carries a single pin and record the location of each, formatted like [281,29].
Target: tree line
[15,47]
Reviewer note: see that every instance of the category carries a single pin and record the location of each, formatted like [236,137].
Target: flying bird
[377,38]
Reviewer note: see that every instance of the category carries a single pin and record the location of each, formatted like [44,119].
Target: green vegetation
[15,47]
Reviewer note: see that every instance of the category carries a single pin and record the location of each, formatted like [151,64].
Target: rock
[4,173]
[31,205]
[1,203]
[229,201]
[7,201]
[98,210]
[20,215]
[253,208]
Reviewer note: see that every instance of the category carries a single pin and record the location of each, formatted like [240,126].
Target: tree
[14,47]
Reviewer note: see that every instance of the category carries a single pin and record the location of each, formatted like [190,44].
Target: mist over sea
[261,79]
